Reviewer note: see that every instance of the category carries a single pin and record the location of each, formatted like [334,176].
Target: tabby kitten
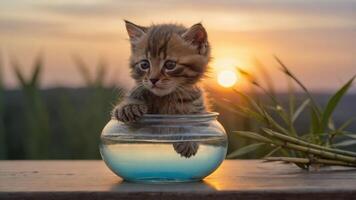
[167,62]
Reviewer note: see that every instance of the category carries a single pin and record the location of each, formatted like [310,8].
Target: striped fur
[177,90]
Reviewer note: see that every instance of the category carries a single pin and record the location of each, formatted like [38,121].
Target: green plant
[279,134]
[3,146]
[83,125]
[37,136]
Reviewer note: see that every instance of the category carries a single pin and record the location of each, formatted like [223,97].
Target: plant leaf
[273,123]
[346,124]
[245,149]
[37,70]
[345,143]
[349,135]
[229,108]
[254,136]
[333,102]
[285,69]
[315,123]
[1,71]
[101,72]
[251,114]
[82,67]
[252,102]
[278,109]
[18,73]
[300,109]
[266,76]
[274,150]
[331,124]
[291,97]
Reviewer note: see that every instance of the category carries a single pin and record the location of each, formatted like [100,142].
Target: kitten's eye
[169,65]
[144,65]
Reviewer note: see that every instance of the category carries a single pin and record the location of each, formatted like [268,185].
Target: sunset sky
[316,39]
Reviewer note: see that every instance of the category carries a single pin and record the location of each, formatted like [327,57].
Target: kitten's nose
[154,80]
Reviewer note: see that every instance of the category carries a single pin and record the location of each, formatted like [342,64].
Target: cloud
[96,20]
[334,8]
[32,27]
[19,25]
[101,9]
[222,15]
[327,7]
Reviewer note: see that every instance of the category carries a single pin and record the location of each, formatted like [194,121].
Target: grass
[56,125]
[3,146]
[96,105]
[278,134]
[38,130]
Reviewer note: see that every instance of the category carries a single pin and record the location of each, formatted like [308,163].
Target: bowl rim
[179,116]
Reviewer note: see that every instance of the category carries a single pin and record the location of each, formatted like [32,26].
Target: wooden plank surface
[238,179]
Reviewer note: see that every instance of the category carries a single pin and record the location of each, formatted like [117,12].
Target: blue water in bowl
[157,161]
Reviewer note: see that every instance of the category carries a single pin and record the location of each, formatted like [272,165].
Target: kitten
[167,62]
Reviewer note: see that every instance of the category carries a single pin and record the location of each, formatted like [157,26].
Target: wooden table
[235,179]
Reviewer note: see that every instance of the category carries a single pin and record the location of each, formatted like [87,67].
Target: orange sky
[316,39]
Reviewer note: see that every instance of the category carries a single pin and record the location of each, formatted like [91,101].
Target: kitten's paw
[186,149]
[130,112]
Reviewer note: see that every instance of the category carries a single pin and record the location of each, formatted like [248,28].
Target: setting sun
[227,78]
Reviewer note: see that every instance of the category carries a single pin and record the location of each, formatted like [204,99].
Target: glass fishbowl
[164,148]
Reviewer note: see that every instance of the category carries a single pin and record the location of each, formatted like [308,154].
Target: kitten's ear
[135,31]
[196,35]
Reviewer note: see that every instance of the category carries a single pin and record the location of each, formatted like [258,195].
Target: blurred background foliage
[65,123]
[57,123]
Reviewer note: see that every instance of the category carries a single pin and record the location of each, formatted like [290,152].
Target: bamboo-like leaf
[278,108]
[266,76]
[273,123]
[246,149]
[331,124]
[333,102]
[285,69]
[261,111]
[252,79]
[274,150]
[229,108]
[281,112]
[315,121]
[349,135]
[252,114]
[254,136]
[346,124]
[300,109]
[345,143]
[291,97]
[252,102]
[297,140]
[294,146]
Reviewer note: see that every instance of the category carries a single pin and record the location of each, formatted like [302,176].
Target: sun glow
[225,69]
[227,78]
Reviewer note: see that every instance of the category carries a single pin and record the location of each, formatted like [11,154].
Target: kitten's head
[166,57]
